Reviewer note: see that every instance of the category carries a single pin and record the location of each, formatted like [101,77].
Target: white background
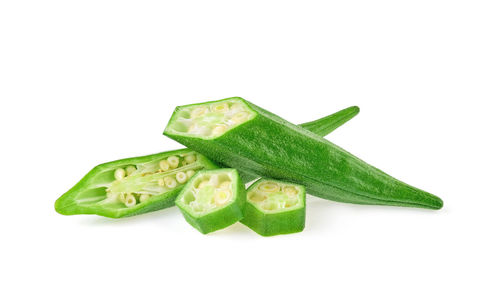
[85,82]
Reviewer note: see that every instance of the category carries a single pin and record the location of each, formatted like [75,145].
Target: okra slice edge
[275,207]
[212,199]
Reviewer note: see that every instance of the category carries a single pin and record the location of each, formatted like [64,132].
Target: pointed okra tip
[210,119]
[275,207]
[212,199]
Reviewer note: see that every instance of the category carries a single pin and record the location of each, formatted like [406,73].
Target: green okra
[239,134]
[212,199]
[133,186]
[91,196]
[275,207]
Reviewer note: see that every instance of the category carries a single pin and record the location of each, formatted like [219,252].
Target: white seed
[119,174]
[190,159]
[199,111]
[239,117]
[236,107]
[269,187]
[130,170]
[290,191]
[170,182]
[161,182]
[219,107]
[181,177]
[225,184]
[256,197]
[144,197]
[218,130]
[222,197]
[173,161]
[190,173]
[164,166]
[130,200]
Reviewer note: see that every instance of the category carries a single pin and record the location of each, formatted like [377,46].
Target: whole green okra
[239,134]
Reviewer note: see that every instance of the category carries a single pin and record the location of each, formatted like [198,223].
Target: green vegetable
[89,196]
[275,207]
[242,135]
[133,186]
[212,199]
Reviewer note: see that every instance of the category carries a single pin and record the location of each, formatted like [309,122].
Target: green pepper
[212,199]
[258,142]
[275,207]
[132,186]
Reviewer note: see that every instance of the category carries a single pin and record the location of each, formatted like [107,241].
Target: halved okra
[133,186]
[275,207]
[89,197]
[239,134]
[212,199]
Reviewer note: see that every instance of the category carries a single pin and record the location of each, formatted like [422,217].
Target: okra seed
[190,159]
[269,187]
[220,108]
[161,182]
[181,177]
[190,173]
[144,197]
[170,182]
[239,117]
[256,197]
[199,111]
[173,161]
[218,130]
[130,200]
[290,191]
[164,165]
[225,184]
[130,170]
[119,174]
[222,197]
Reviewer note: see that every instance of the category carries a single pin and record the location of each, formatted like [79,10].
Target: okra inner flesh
[211,120]
[133,184]
[209,192]
[273,196]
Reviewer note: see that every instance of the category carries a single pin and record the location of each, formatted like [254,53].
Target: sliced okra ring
[275,207]
[133,186]
[212,199]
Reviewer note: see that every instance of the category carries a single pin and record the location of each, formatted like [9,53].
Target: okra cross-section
[133,186]
[210,121]
[212,199]
[275,207]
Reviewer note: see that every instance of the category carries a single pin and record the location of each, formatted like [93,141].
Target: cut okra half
[133,186]
[275,207]
[212,199]
[210,121]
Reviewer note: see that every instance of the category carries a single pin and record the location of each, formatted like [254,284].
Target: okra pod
[239,134]
[110,190]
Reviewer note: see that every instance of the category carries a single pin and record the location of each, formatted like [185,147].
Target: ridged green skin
[275,223]
[269,146]
[68,205]
[220,218]
[321,127]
